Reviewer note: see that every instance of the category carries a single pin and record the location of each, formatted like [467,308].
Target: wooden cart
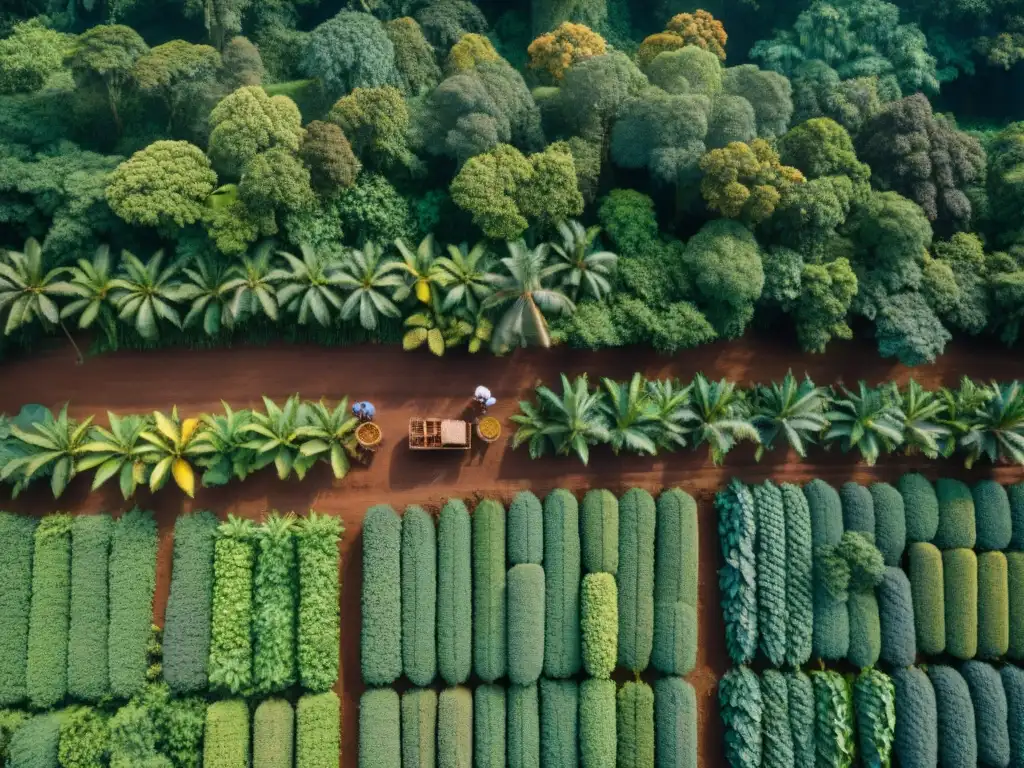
[439,434]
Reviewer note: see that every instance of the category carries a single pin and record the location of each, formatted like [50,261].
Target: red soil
[402,385]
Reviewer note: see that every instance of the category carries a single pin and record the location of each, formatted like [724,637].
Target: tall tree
[106,55]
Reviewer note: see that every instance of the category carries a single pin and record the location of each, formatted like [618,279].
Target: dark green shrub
[992,517]
[419,596]
[182,729]
[132,584]
[46,676]
[960,575]
[381,640]
[600,532]
[523,726]
[319,619]
[778,739]
[318,731]
[833,720]
[831,638]
[635,725]
[1015,495]
[419,728]
[559,723]
[489,590]
[230,636]
[562,585]
[1013,687]
[896,619]
[525,530]
[525,591]
[1015,591]
[135,731]
[674,648]
[737,579]
[380,729]
[801,718]
[16,544]
[874,699]
[226,739]
[675,712]
[799,576]
[863,560]
[826,513]
[88,675]
[273,735]
[599,624]
[989,701]
[454,593]
[958,744]
[739,700]
[890,522]
[36,744]
[636,579]
[858,509]
[928,591]
[597,721]
[454,728]
[190,602]
[993,606]
[921,506]
[84,738]
[916,744]
[274,602]
[865,629]
[772,615]
[10,721]
[489,726]
[956,515]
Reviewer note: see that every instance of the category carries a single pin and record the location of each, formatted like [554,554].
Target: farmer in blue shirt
[364,411]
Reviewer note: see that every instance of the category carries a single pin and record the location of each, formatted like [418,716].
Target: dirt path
[402,385]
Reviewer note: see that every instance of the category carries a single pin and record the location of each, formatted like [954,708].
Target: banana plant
[923,416]
[422,269]
[145,294]
[676,419]
[792,409]
[424,327]
[572,421]
[632,416]
[56,449]
[869,420]
[91,282]
[251,285]
[310,286]
[723,418]
[465,276]
[997,429]
[223,441]
[532,429]
[330,435]
[208,290]
[583,268]
[172,446]
[277,436]
[118,451]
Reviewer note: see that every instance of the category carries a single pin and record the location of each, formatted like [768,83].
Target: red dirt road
[403,385]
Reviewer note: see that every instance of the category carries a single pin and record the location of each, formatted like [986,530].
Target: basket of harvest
[368,435]
[488,429]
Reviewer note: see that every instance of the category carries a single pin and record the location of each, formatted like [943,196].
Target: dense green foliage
[522,732]
[992,516]
[831,638]
[958,743]
[960,575]
[454,728]
[419,596]
[865,629]
[635,725]
[741,706]
[84,738]
[226,739]
[800,691]
[956,515]
[525,594]
[273,734]
[1015,591]
[489,725]
[132,583]
[230,665]
[525,530]
[599,624]
[916,744]
[874,699]
[489,595]
[380,643]
[380,724]
[88,676]
[674,649]
[187,618]
[599,537]
[858,509]
[772,607]
[274,604]
[989,702]
[834,719]
[36,743]
[799,576]
[319,629]
[921,505]
[890,522]
[675,713]
[635,578]
[1013,686]
[598,744]
[737,531]
[454,593]
[562,649]
[49,619]
[318,731]
[1016,498]
[16,547]
[559,722]
[896,619]
[928,590]
[419,727]
[778,738]
[993,606]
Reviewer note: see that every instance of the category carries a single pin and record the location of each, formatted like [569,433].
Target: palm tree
[118,451]
[144,294]
[870,420]
[331,435]
[422,269]
[676,418]
[632,416]
[794,410]
[310,286]
[466,274]
[524,286]
[365,274]
[27,290]
[583,268]
[92,283]
[997,429]
[55,449]
[571,422]
[253,286]
[277,436]
[172,446]
[923,427]
[209,291]
[723,418]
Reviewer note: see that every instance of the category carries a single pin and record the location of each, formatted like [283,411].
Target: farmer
[482,399]
[364,411]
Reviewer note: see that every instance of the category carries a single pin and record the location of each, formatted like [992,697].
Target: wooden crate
[425,435]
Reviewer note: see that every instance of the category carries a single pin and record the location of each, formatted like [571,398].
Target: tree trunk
[78,351]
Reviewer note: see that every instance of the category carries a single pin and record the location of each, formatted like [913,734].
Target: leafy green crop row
[88,675]
[274,605]
[46,677]
[132,584]
[381,641]
[231,628]
[16,547]
[419,596]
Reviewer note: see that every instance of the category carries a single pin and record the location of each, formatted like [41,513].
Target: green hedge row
[274,604]
[858,509]
[489,717]
[489,608]
[598,739]
[778,737]
[454,729]
[1015,593]
[88,671]
[865,629]
[454,593]
[84,738]
[921,507]
[226,738]
[635,578]
[381,640]
[772,607]
[230,666]
[928,590]
[599,624]
[522,726]
[890,522]
[737,579]
[896,619]
[960,576]
[187,618]
[380,729]
[958,743]
[675,712]
[49,620]
[17,541]
[831,638]
[419,728]
[525,530]
[993,606]
[1015,495]
[273,735]
[562,654]
[634,724]
[600,532]
[874,702]
[988,699]
[1013,687]
[799,576]
[742,709]
[133,549]
[318,731]
[36,744]
[957,528]
[419,596]
[319,630]
[993,520]
[800,690]
[525,590]
[834,719]
[559,723]
[674,648]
